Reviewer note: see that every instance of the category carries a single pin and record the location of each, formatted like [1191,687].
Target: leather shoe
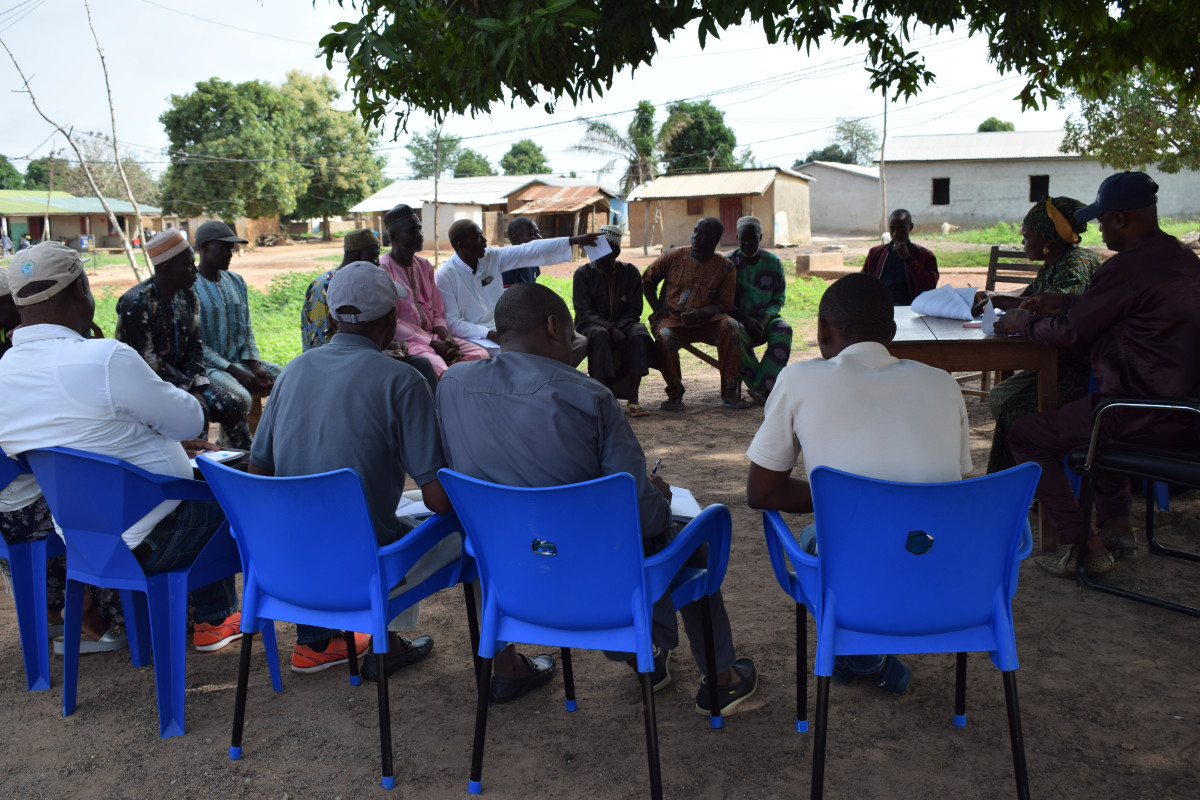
[1118,537]
[541,670]
[409,651]
[1063,566]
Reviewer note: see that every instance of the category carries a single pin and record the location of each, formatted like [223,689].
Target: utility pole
[437,171]
[882,172]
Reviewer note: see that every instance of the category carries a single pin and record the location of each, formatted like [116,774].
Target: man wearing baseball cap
[100,396]
[373,414]
[1139,319]
[230,352]
[159,318]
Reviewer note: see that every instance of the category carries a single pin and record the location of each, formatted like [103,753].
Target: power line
[227,25]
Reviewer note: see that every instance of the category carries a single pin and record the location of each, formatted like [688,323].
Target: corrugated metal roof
[854,169]
[484,190]
[711,184]
[26,203]
[543,199]
[991,146]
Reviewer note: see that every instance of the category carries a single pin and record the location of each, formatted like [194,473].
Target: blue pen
[654,471]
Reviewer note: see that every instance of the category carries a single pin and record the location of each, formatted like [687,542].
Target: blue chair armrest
[1026,546]
[184,488]
[712,526]
[398,557]
[781,545]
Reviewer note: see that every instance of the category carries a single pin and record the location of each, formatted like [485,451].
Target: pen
[654,471]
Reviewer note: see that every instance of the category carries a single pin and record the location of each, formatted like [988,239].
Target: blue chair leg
[27,564]
[72,625]
[960,691]
[475,785]
[385,722]
[710,665]
[168,634]
[272,647]
[352,654]
[822,725]
[1016,737]
[801,668]
[472,624]
[137,626]
[652,733]
[239,702]
[568,677]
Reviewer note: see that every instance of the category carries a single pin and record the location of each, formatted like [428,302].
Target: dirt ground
[1108,692]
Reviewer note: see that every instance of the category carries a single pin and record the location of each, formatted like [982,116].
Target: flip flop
[671,404]
[739,405]
[637,410]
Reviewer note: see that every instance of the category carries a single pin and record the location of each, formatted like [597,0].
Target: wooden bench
[1007,267]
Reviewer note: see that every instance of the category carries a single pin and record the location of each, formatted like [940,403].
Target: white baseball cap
[48,261]
[365,286]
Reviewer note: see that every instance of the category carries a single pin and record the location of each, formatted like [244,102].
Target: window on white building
[941,191]
[1039,187]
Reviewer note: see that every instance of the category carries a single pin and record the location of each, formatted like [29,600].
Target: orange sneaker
[305,659]
[208,638]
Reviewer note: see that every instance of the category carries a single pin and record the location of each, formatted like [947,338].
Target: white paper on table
[683,503]
[219,456]
[946,301]
[989,319]
[412,508]
[598,250]
[485,343]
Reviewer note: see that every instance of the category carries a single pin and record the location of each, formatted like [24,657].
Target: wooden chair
[1007,267]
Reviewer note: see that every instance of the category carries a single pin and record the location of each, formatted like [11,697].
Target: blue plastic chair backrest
[566,557]
[908,559]
[9,469]
[307,540]
[94,499]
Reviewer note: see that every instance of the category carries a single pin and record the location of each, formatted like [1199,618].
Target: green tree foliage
[10,178]
[1143,121]
[830,152]
[334,149]
[992,124]
[37,173]
[234,151]
[427,156]
[525,158]
[447,56]
[858,139]
[98,152]
[640,147]
[472,164]
[704,143]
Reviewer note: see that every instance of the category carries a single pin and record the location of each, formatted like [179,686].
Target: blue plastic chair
[910,568]
[311,557]
[27,565]
[95,498]
[563,565]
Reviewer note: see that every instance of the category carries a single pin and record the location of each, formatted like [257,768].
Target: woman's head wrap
[1054,220]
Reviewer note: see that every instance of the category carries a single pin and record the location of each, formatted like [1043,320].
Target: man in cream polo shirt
[99,395]
[859,410]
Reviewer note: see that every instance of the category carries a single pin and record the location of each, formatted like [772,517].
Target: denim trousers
[859,665]
[194,523]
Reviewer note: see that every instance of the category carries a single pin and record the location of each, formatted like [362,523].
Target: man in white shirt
[471,281]
[859,410]
[99,395]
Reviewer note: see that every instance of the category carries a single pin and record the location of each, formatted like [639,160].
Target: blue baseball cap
[1121,192]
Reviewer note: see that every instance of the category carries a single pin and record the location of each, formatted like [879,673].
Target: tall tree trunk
[326,233]
[112,113]
[112,218]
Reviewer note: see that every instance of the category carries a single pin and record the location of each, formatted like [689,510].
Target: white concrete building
[978,179]
[844,198]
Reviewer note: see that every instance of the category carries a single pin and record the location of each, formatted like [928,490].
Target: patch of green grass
[947,259]
[336,258]
[1006,233]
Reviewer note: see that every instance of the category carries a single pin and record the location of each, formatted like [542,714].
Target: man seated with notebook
[563,427]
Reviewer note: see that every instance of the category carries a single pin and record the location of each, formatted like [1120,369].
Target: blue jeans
[859,665]
[195,522]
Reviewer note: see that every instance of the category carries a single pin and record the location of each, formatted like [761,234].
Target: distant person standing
[906,268]
[6,243]
[230,352]
[26,242]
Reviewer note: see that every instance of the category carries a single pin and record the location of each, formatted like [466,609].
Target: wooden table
[946,344]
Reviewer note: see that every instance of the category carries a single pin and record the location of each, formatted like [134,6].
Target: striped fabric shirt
[225,321]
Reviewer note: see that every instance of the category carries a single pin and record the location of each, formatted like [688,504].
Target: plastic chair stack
[27,565]
[910,568]
[580,545]
[95,498]
[314,561]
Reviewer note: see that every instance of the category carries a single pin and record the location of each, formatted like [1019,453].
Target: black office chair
[1175,466]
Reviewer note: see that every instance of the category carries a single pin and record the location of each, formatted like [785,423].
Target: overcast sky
[781,102]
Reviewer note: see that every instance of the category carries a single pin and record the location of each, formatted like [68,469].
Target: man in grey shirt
[561,427]
[348,405]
